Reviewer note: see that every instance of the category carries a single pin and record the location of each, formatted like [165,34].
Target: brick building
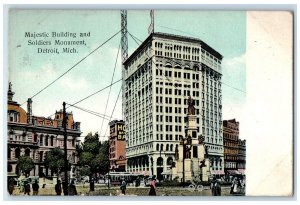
[117,146]
[34,136]
[234,148]
[241,163]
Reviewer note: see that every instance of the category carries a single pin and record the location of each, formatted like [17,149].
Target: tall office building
[160,76]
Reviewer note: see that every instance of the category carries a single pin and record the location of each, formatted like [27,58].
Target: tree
[93,155]
[25,164]
[55,160]
[87,154]
[103,156]
[91,143]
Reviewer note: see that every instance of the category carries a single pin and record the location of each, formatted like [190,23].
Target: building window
[195,152]
[41,140]
[24,137]
[46,140]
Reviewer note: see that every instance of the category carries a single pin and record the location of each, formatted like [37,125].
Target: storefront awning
[146,173]
[217,172]
[233,172]
[242,171]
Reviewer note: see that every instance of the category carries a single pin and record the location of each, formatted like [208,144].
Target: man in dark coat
[35,187]
[58,188]
[215,187]
[72,189]
[11,186]
[26,188]
[92,185]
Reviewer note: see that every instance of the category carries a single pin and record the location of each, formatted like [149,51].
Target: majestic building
[234,148]
[117,146]
[34,136]
[159,77]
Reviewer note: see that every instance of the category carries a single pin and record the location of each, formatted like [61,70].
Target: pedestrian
[137,182]
[242,186]
[72,189]
[234,186]
[58,188]
[215,187]
[26,188]
[153,190]
[92,185]
[123,186]
[11,186]
[218,188]
[35,188]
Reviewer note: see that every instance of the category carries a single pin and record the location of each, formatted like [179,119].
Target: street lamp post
[65,148]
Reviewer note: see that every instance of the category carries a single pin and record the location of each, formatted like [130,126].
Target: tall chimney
[29,111]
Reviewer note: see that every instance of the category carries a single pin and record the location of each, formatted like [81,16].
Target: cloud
[74,84]
[234,62]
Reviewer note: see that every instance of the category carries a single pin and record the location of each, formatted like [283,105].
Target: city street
[103,190]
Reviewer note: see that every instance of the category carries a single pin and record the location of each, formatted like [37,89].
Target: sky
[30,71]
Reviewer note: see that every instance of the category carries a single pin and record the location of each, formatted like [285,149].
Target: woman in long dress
[152,191]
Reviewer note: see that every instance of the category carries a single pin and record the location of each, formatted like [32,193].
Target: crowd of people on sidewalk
[61,188]
[152,191]
[237,186]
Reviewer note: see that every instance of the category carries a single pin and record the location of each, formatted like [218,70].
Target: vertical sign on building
[120,132]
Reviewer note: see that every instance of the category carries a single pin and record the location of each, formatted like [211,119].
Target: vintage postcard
[149,103]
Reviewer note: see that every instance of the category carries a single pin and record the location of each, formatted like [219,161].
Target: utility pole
[124,51]
[65,149]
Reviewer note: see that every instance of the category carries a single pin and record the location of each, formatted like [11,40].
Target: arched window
[41,156]
[24,137]
[161,147]
[168,65]
[27,152]
[160,161]
[171,147]
[196,68]
[157,147]
[41,140]
[17,152]
[169,161]
[35,136]
[51,140]
[167,147]
[46,140]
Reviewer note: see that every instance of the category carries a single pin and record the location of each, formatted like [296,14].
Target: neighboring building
[160,76]
[117,146]
[234,148]
[241,162]
[34,136]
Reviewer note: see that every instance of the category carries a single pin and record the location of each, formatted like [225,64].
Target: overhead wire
[113,109]
[90,112]
[85,98]
[110,86]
